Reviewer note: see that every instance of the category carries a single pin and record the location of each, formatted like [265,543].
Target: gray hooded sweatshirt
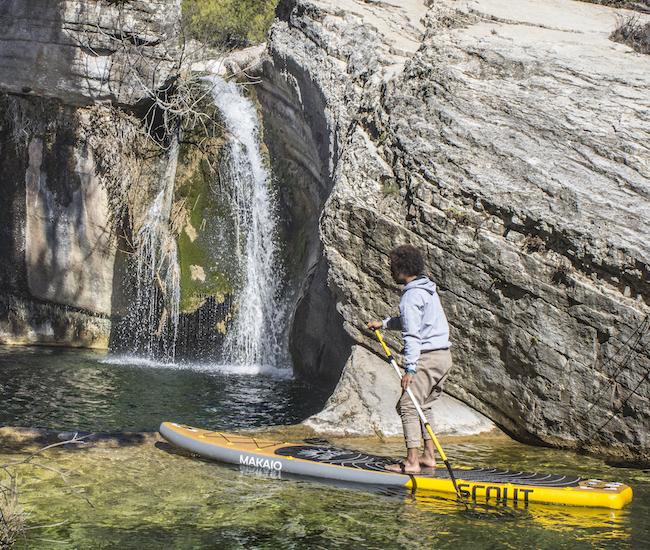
[422,320]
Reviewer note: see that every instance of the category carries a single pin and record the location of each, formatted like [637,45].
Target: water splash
[256,336]
[157,274]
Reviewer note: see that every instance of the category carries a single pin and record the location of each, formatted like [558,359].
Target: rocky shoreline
[507,140]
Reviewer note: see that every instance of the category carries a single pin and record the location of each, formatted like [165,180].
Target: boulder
[363,404]
[508,142]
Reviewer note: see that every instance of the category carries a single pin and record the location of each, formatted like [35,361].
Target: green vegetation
[464,218]
[197,213]
[619,3]
[389,189]
[12,518]
[534,243]
[228,23]
[610,3]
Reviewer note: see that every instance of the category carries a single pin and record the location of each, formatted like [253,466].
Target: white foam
[281,373]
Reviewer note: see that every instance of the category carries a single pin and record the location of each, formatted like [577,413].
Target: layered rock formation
[88,51]
[508,142]
[56,235]
[64,67]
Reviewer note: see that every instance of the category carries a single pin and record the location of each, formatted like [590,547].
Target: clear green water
[145,494]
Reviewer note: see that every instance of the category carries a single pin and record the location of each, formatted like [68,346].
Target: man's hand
[407,379]
[374,325]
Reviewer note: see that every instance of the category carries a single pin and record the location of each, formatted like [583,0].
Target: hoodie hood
[423,283]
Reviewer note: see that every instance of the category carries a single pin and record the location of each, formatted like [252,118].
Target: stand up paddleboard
[352,466]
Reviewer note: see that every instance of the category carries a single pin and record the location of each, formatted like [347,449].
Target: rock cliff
[69,72]
[509,142]
[88,51]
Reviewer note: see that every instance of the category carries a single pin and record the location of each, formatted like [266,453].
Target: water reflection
[594,523]
[148,495]
[68,390]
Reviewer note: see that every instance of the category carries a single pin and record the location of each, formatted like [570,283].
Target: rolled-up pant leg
[432,371]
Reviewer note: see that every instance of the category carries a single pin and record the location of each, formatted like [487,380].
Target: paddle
[422,417]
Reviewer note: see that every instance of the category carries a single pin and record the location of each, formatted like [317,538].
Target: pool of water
[66,389]
[146,494]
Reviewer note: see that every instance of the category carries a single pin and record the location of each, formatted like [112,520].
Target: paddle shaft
[421,414]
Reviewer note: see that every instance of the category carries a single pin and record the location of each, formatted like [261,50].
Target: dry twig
[12,524]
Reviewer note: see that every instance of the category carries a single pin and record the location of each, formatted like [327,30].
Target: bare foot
[427,462]
[404,468]
[428,459]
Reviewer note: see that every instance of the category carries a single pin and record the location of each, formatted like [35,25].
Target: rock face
[57,285]
[88,51]
[65,67]
[364,404]
[508,142]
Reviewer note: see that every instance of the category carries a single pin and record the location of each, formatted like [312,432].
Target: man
[426,352]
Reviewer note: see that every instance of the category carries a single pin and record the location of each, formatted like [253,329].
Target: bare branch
[12,523]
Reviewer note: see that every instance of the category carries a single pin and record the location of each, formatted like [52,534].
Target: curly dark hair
[407,259]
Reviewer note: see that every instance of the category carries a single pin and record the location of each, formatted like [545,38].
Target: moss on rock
[205,227]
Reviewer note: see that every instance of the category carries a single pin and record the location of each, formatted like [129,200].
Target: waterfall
[256,334]
[157,273]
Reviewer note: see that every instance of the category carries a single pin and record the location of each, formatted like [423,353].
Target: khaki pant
[432,371]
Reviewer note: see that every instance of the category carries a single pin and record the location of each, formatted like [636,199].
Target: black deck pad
[339,457]
[363,461]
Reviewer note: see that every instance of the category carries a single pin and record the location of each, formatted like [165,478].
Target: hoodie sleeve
[392,323]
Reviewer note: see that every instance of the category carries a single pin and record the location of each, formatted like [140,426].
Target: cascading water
[256,334]
[157,274]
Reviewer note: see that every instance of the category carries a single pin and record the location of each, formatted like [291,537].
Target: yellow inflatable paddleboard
[478,484]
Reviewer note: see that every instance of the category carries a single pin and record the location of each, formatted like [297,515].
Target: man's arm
[411,314]
[391,323]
